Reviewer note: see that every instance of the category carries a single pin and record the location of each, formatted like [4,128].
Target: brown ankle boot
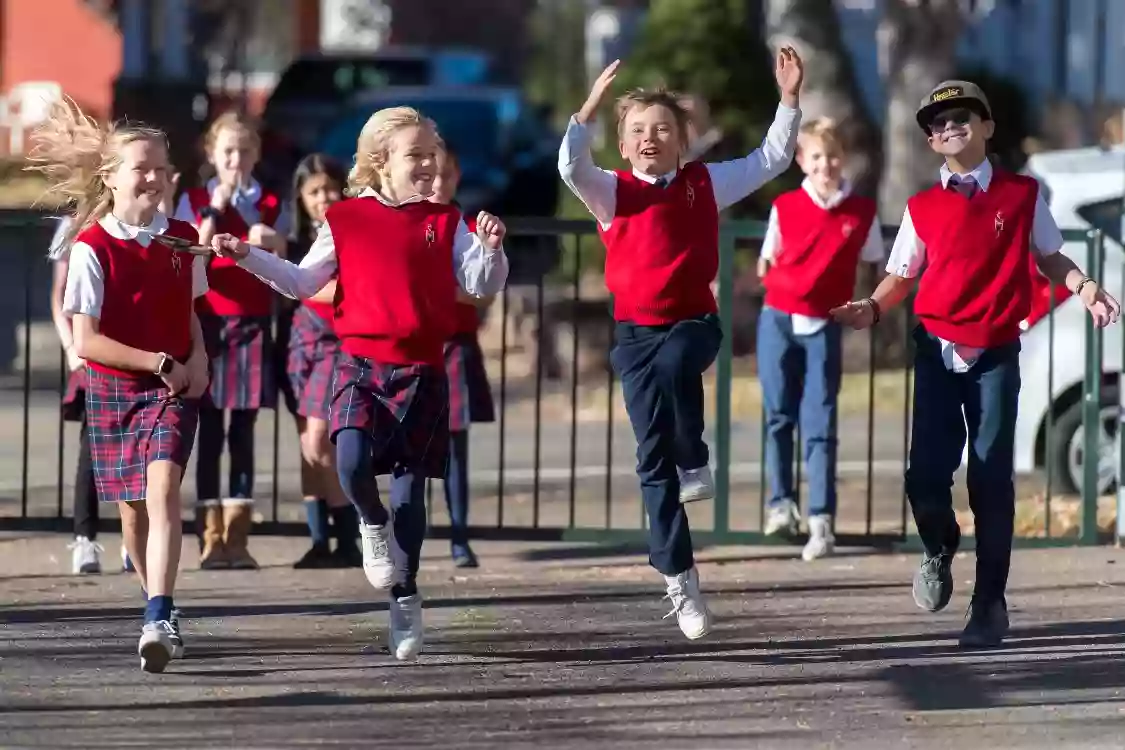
[237,519]
[213,555]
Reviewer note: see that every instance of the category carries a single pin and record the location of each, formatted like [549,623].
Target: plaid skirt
[312,363]
[470,398]
[242,373]
[132,423]
[74,398]
[404,408]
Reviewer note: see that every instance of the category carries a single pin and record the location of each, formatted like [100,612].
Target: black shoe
[348,555]
[933,583]
[318,557]
[988,624]
[463,557]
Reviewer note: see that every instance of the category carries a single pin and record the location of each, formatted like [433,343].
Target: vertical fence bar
[907,398]
[1120,530]
[64,372]
[574,318]
[503,407]
[723,385]
[870,499]
[1091,403]
[275,492]
[27,286]
[538,437]
[1049,430]
[762,478]
[609,438]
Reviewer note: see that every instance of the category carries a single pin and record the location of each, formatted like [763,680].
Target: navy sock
[144,595]
[345,525]
[158,608]
[316,515]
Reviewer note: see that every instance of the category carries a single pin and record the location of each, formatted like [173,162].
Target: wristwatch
[166,365]
[210,212]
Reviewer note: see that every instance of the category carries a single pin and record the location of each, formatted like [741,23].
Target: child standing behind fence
[660,225]
[235,316]
[399,260]
[470,399]
[972,232]
[131,300]
[816,236]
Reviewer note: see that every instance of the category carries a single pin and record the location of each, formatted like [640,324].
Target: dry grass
[1066,517]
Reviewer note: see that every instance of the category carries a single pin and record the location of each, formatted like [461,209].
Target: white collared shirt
[85,280]
[480,272]
[731,180]
[908,255]
[873,249]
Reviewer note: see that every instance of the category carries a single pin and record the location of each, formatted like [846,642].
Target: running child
[973,232]
[659,221]
[130,298]
[311,362]
[235,315]
[816,236]
[399,260]
[470,398]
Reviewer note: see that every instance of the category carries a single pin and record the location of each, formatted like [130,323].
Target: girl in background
[470,399]
[235,315]
[312,353]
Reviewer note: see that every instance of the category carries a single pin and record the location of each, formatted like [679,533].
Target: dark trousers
[85,492]
[355,465]
[800,378]
[661,369]
[949,407]
[457,487]
[212,437]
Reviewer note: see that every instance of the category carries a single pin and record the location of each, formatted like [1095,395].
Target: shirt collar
[652,180]
[982,174]
[373,193]
[118,229]
[250,193]
[834,200]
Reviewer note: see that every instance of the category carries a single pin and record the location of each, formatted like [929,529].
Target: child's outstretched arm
[908,257]
[734,180]
[595,187]
[479,261]
[298,282]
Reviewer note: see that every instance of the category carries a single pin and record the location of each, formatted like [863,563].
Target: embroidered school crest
[848,228]
[999,223]
[175,262]
[430,236]
[690,195]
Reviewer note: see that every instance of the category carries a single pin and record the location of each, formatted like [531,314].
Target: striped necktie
[966,186]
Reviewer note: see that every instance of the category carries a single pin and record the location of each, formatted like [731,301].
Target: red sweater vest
[147,298]
[467,316]
[396,290]
[976,287]
[815,265]
[233,290]
[662,249]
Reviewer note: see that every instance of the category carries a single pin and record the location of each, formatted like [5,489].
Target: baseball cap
[949,94]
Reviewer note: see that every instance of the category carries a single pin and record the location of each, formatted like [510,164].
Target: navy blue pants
[949,407]
[800,378]
[661,370]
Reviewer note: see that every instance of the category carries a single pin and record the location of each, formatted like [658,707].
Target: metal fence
[558,462]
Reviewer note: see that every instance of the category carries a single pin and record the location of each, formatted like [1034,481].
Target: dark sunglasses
[958,117]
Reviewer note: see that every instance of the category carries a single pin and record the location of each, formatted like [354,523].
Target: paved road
[564,647]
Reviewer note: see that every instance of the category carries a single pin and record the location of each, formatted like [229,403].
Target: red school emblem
[999,223]
[430,236]
[848,228]
[175,262]
[690,192]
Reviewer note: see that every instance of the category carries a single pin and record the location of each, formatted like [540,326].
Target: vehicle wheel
[1067,449]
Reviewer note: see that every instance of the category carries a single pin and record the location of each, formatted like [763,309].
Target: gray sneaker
[933,583]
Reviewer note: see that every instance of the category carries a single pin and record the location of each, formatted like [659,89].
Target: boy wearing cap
[972,231]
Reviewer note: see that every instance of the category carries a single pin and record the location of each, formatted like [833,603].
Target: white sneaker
[783,519]
[155,648]
[406,627]
[696,484]
[377,563]
[176,636]
[821,540]
[84,556]
[688,605]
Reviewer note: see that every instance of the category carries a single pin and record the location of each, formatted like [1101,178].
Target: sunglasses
[180,245]
[957,117]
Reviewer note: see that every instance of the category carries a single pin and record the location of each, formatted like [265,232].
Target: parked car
[1084,189]
[315,89]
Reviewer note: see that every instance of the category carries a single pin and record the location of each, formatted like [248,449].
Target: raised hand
[490,230]
[789,71]
[597,92]
[229,246]
[1102,306]
[221,195]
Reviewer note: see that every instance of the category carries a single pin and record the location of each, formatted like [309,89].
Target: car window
[1106,216]
[1044,188]
[331,79]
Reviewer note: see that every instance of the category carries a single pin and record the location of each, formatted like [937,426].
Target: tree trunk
[917,50]
[812,27]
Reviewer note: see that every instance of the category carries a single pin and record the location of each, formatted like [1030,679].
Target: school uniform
[397,270]
[142,294]
[814,247]
[662,252]
[973,234]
